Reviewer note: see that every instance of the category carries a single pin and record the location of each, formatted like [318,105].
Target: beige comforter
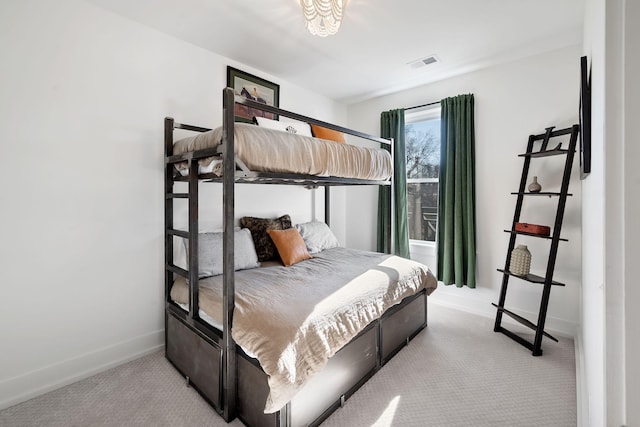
[267,150]
[293,319]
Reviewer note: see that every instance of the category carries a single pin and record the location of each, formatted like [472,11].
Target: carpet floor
[456,372]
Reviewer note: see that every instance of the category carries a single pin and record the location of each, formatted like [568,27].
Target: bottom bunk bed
[308,335]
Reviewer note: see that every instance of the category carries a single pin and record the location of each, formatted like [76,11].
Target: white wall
[631,292]
[84,94]
[613,152]
[593,251]
[608,206]
[512,101]
[611,339]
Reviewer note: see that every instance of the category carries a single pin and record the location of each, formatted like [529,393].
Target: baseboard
[27,386]
[553,325]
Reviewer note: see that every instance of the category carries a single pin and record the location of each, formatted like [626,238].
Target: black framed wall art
[255,89]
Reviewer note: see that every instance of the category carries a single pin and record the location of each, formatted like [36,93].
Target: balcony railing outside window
[422,144]
[422,201]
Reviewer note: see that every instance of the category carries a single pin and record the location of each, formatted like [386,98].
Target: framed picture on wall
[585,119]
[255,89]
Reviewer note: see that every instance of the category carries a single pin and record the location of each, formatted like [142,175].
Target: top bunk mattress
[274,151]
[293,319]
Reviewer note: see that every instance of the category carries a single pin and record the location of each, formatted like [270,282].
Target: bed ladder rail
[179,233]
[191,235]
[177,270]
[169,196]
[170,267]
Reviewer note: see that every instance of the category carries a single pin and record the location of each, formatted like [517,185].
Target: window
[422,145]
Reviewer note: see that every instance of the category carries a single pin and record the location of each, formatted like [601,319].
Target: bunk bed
[238,378]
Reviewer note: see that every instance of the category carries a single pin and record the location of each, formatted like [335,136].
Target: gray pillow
[210,252]
[317,236]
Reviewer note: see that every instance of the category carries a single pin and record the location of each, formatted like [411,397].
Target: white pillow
[297,128]
[317,236]
[210,252]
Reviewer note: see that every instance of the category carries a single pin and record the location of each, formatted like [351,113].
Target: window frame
[428,112]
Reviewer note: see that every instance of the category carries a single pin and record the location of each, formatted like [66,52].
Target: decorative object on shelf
[255,89]
[535,187]
[323,17]
[520,264]
[539,230]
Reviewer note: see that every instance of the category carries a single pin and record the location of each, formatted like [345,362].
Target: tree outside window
[422,145]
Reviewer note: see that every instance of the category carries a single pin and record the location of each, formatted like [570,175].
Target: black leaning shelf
[546,153]
[541,193]
[546,280]
[521,320]
[539,236]
[533,278]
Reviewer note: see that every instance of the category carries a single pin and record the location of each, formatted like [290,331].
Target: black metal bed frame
[199,350]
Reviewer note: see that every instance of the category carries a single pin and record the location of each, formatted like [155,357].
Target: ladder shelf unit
[546,281]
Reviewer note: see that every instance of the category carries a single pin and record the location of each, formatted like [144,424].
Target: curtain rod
[423,105]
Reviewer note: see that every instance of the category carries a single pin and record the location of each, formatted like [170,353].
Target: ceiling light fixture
[323,17]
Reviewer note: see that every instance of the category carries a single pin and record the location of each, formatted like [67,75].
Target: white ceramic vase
[520,264]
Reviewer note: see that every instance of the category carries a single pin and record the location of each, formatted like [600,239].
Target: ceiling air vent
[428,60]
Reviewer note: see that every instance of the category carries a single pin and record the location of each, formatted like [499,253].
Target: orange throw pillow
[290,245]
[330,134]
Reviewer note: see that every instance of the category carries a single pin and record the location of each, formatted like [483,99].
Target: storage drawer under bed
[400,324]
[344,372]
[196,358]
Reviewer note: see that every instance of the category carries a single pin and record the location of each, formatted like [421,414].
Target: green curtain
[456,197]
[392,126]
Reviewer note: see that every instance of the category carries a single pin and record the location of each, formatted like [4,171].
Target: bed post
[229,382]
[194,286]
[168,208]
[327,205]
[168,219]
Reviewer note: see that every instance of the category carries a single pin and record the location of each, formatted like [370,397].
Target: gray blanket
[293,319]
